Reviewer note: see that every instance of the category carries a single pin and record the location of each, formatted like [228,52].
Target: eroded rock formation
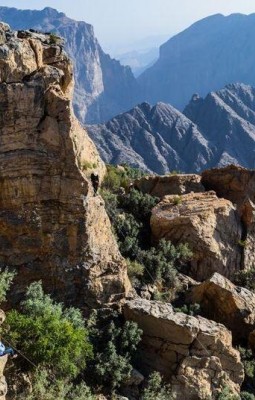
[160,186]
[51,228]
[194,354]
[208,224]
[228,304]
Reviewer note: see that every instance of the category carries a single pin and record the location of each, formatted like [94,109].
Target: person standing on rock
[95,181]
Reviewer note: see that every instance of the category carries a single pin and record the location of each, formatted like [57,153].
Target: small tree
[6,278]
[156,389]
[49,334]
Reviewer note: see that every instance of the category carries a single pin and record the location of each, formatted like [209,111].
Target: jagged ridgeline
[213,131]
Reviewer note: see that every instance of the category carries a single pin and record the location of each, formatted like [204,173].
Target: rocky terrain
[100,81]
[215,131]
[51,227]
[205,57]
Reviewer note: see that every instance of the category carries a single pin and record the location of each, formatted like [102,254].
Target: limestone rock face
[161,186]
[51,228]
[237,184]
[209,225]
[194,354]
[226,303]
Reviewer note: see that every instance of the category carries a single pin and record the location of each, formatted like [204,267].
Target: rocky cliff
[210,54]
[100,81]
[51,227]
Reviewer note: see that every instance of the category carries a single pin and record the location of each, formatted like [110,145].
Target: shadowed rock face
[210,54]
[223,302]
[51,228]
[103,87]
[194,354]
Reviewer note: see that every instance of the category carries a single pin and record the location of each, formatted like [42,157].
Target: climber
[95,181]
[6,350]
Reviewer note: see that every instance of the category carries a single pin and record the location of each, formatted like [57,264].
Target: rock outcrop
[193,353]
[160,186]
[237,184]
[202,59]
[209,225]
[228,304]
[51,228]
[154,138]
[100,81]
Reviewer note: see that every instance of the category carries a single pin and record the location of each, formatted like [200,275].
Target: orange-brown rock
[193,353]
[237,184]
[209,225]
[51,226]
[161,186]
[228,304]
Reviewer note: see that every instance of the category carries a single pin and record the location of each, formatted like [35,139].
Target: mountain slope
[205,57]
[227,119]
[214,131]
[99,80]
[157,139]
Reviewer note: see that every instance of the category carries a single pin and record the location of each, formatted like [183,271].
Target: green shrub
[227,394]
[115,346]
[246,278]
[54,39]
[138,204]
[135,270]
[156,390]
[177,200]
[6,278]
[48,334]
[164,260]
[190,309]
[247,396]
[46,387]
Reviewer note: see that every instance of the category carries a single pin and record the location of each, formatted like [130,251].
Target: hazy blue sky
[126,21]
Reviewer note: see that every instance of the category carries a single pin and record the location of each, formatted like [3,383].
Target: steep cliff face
[100,81]
[51,228]
[210,54]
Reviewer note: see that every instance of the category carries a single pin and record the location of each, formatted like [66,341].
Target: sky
[119,23]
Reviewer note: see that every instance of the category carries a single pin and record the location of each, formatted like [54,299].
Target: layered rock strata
[209,225]
[160,186]
[228,304]
[194,354]
[51,227]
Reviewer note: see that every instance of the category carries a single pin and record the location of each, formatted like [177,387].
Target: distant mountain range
[103,87]
[210,54]
[214,131]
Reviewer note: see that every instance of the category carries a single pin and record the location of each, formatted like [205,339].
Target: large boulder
[237,184]
[193,353]
[161,186]
[226,303]
[51,226]
[209,225]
